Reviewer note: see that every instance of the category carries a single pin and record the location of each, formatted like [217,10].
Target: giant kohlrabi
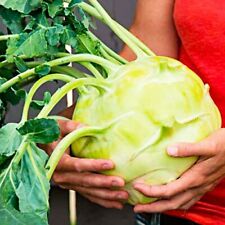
[131,110]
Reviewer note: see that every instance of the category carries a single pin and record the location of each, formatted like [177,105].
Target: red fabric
[201,28]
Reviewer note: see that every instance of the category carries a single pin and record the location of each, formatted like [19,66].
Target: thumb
[203,148]
[67,126]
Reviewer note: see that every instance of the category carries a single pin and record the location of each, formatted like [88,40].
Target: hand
[80,175]
[194,183]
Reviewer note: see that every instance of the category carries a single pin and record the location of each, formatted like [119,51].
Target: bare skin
[81,174]
[193,184]
[157,29]
[154,25]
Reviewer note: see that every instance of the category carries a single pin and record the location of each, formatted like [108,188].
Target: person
[193,32]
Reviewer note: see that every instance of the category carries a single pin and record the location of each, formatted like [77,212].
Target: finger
[190,203]
[170,204]
[87,180]
[105,203]
[67,126]
[69,163]
[99,192]
[188,180]
[203,148]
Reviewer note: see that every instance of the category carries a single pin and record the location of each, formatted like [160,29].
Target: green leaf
[38,104]
[20,93]
[21,65]
[13,96]
[74,2]
[10,140]
[23,6]
[53,34]
[55,7]
[13,45]
[42,70]
[31,45]
[42,19]
[86,44]
[2,80]
[24,190]
[33,163]
[12,19]
[42,131]
[69,37]
[30,25]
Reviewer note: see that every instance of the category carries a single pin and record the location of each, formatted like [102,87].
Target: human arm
[154,25]
[159,33]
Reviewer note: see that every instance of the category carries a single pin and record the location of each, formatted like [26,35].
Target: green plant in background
[132,110]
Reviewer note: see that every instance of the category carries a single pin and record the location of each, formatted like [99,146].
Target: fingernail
[106,166]
[172,150]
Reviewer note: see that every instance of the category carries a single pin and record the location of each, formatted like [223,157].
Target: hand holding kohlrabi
[131,111]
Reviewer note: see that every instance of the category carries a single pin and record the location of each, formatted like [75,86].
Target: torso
[201,28]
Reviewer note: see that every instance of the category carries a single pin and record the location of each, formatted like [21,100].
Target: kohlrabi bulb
[150,104]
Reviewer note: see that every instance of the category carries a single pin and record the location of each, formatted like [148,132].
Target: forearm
[154,25]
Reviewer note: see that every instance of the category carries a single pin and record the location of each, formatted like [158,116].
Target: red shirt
[201,28]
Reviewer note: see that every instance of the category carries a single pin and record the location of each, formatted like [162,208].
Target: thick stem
[102,85]
[109,57]
[72,207]
[6,37]
[109,21]
[92,11]
[34,63]
[36,86]
[65,143]
[93,70]
[108,50]
[68,70]
[75,135]
[111,67]
[21,150]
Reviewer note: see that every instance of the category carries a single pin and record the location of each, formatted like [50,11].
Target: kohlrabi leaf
[53,34]
[13,45]
[2,80]
[69,37]
[21,65]
[39,104]
[55,7]
[10,140]
[34,182]
[42,131]
[31,45]
[42,70]
[24,190]
[12,19]
[23,6]
[74,2]
[13,96]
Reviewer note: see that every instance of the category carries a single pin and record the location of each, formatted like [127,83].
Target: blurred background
[87,212]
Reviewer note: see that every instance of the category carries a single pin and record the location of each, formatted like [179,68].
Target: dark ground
[88,213]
